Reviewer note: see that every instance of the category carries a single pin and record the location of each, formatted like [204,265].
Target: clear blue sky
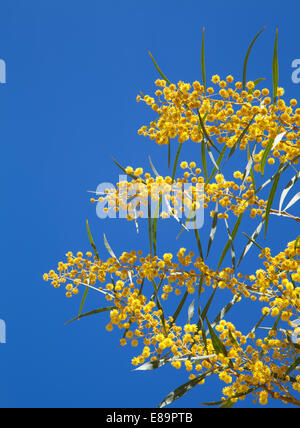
[73,71]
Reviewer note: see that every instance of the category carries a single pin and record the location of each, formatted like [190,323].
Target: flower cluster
[183,195]
[243,362]
[138,286]
[226,112]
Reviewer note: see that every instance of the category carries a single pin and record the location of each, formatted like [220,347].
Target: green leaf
[218,345]
[108,247]
[92,241]
[240,138]
[247,57]
[265,156]
[257,325]
[228,404]
[251,168]
[153,167]
[232,338]
[213,229]
[293,201]
[123,169]
[248,167]
[183,389]
[169,153]
[279,171]
[199,243]
[270,201]
[203,157]
[83,301]
[154,224]
[149,224]
[205,133]
[287,188]
[233,257]
[208,304]
[218,162]
[176,162]
[229,242]
[203,60]
[251,241]
[275,69]
[159,70]
[225,310]
[256,82]
[153,365]
[159,306]
[98,258]
[292,367]
[179,308]
[87,314]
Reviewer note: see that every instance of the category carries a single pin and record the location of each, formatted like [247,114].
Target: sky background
[74,69]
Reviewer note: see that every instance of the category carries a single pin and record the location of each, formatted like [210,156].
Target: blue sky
[74,69]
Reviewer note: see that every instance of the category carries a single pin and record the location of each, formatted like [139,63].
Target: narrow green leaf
[251,168]
[92,241]
[247,57]
[153,365]
[169,153]
[241,394]
[149,224]
[292,367]
[176,162]
[159,70]
[159,306]
[228,404]
[287,188]
[179,308]
[248,167]
[183,389]
[218,162]
[205,133]
[265,156]
[229,242]
[225,310]
[257,325]
[233,257]
[275,69]
[98,258]
[208,304]
[153,167]
[83,301]
[108,247]
[292,201]
[270,201]
[213,229]
[218,345]
[232,338]
[154,225]
[123,169]
[203,157]
[256,82]
[271,145]
[199,243]
[251,241]
[87,314]
[240,138]
[280,170]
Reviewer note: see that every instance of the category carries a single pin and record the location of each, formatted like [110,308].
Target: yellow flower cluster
[133,196]
[227,113]
[258,367]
